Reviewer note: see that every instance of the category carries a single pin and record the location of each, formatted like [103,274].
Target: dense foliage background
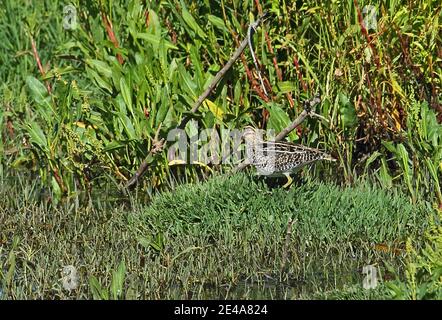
[81,104]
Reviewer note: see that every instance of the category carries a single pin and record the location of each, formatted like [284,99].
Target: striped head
[249,134]
[251,140]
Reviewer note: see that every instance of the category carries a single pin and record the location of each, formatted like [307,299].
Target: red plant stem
[59,180]
[10,127]
[111,35]
[366,35]
[274,60]
[37,57]
[299,73]
[255,86]
[376,99]
[303,84]
[39,65]
[269,45]
[277,69]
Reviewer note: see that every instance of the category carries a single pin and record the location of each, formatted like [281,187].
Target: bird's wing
[285,147]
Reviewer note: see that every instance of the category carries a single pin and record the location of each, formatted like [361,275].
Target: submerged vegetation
[87,89]
[226,238]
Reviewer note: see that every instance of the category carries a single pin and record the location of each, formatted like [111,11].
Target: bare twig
[254,83]
[145,164]
[157,146]
[222,72]
[292,126]
[250,33]
[308,106]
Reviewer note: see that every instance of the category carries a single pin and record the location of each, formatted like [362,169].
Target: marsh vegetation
[88,90]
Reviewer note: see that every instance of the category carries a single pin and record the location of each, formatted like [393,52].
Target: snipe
[275,158]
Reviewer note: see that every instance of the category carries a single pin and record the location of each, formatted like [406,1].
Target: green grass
[226,238]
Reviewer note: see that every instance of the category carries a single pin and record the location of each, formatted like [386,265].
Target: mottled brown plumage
[271,157]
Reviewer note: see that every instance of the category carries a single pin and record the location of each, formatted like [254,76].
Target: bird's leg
[289,180]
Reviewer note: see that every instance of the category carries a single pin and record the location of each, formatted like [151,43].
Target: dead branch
[145,164]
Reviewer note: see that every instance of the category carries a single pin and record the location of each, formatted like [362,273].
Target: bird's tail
[328,157]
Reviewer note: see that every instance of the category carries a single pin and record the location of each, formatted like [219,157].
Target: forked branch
[145,164]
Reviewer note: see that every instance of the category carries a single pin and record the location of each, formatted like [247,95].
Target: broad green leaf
[56,190]
[192,128]
[372,158]
[279,119]
[41,97]
[113,146]
[384,176]
[191,22]
[217,22]
[433,171]
[98,292]
[37,136]
[101,66]
[162,57]
[403,154]
[197,65]
[117,284]
[38,90]
[390,146]
[216,111]
[286,86]
[154,23]
[396,87]
[127,96]
[164,107]
[347,112]
[128,127]
[188,84]
[155,40]
[99,80]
